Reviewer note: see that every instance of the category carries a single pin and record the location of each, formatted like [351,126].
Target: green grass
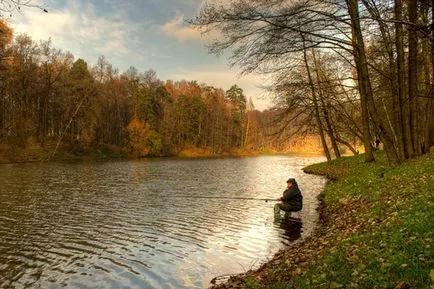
[395,214]
[377,230]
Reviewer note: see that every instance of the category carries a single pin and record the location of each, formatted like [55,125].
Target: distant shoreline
[9,155]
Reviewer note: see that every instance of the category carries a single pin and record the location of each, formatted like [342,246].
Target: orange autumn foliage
[138,132]
[5,34]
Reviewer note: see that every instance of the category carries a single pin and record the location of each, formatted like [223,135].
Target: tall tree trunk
[396,78]
[430,112]
[358,50]
[412,78]
[247,129]
[426,100]
[330,131]
[316,109]
[401,86]
[366,94]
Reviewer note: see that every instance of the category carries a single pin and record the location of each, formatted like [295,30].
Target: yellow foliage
[5,34]
[138,132]
[192,151]
[136,126]
[307,144]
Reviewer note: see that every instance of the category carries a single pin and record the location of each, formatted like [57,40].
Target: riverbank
[35,152]
[38,154]
[376,231]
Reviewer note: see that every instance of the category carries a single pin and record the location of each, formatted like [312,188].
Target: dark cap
[291,180]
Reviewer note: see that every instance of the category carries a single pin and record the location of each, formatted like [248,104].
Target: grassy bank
[376,231]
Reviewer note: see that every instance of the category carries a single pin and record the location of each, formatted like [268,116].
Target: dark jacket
[292,197]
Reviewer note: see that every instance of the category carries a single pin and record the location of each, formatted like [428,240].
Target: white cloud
[88,31]
[78,29]
[41,26]
[222,77]
[178,29]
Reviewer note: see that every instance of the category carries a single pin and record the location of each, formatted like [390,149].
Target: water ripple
[139,224]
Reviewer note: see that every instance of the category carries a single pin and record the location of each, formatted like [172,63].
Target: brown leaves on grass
[352,224]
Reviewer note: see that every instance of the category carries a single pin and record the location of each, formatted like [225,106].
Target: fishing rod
[225,198]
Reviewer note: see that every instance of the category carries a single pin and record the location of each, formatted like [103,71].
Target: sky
[146,34]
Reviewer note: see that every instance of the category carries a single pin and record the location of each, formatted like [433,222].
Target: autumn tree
[53,101]
[236,97]
[254,133]
[267,36]
[138,133]
[53,68]
[272,36]
[6,36]
[113,103]
[149,98]
[80,119]
[23,96]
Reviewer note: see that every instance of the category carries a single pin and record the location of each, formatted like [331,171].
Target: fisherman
[292,200]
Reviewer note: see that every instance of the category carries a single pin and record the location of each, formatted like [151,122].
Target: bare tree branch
[8,7]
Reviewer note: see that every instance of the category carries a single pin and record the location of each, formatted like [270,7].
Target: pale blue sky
[147,34]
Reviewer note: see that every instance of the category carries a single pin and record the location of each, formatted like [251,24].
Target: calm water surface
[137,224]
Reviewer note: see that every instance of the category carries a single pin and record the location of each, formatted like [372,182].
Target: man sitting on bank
[292,200]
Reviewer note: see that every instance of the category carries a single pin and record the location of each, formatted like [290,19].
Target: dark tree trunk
[412,80]
[329,127]
[396,70]
[316,108]
[358,50]
[401,86]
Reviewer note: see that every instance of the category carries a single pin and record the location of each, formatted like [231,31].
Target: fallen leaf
[334,285]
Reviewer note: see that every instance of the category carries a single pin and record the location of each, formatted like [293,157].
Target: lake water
[139,224]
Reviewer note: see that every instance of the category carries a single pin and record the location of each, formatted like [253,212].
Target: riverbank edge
[374,231]
[37,153]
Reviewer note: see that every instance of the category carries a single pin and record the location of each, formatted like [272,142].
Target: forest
[49,99]
[346,76]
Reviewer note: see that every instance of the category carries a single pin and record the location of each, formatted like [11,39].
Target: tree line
[48,97]
[356,70]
